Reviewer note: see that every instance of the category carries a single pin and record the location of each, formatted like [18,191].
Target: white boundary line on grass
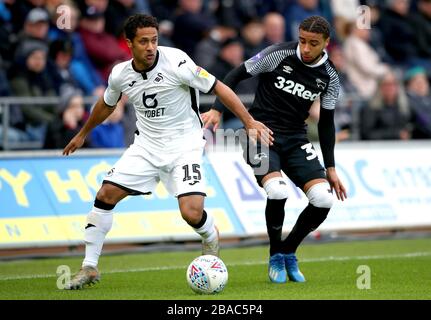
[323,259]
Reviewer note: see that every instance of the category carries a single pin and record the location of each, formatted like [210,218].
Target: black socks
[309,219]
[274,215]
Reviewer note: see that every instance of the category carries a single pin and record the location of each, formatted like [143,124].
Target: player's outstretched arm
[255,129]
[211,118]
[100,112]
[235,76]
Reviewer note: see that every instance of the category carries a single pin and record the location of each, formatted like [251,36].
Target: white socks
[99,222]
[207,231]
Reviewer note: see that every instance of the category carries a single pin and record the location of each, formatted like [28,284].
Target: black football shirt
[288,87]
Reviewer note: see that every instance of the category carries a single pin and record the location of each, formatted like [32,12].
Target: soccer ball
[207,275]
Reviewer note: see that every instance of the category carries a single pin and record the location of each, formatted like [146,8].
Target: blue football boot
[276,268]
[292,268]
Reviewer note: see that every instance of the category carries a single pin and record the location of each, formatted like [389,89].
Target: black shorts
[294,155]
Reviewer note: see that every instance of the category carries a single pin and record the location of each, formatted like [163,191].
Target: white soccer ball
[207,275]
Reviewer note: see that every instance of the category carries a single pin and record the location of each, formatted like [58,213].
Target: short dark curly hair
[139,21]
[316,24]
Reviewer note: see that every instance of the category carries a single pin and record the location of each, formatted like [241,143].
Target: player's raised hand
[211,118]
[258,131]
[76,142]
[336,184]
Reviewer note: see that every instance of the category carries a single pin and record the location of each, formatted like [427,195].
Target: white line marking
[248,263]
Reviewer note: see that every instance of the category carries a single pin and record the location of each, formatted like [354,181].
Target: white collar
[318,64]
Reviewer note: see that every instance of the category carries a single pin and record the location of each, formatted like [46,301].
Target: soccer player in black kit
[291,76]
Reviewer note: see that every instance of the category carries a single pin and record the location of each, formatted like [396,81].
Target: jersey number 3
[310,151]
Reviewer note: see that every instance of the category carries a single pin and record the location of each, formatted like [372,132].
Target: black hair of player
[139,21]
[316,24]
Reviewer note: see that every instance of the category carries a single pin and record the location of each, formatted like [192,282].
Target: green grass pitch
[400,269]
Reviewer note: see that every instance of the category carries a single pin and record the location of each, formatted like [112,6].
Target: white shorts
[139,172]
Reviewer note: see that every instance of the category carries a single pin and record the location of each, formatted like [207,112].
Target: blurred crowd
[66,48]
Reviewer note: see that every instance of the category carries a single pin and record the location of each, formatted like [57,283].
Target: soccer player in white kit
[163,84]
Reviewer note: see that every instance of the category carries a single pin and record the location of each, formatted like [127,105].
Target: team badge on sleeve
[201,72]
[256,57]
[320,84]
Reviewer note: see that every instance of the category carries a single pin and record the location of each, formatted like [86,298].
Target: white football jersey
[166,100]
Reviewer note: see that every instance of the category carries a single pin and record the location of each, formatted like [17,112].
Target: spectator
[237,12]
[399,35]
[129,123]
[422,25]
[81,67]
[297,12]
[14,133]
[386,116]
[163,9]
[4,83]
[418,92]
[363,65]
[166,29]
[20,10]
[60,55]
[52,5]
[207,49]
[7,35]
[252,34]
[70,119]
[31,80]
[143,6]
[36,26]
[110,134]
[231,56]
[190,25]
[349,100]
[116,13]
[102,48]
[99,5]
[267,6]
[376,36]
[344,12]
[35,29]
[327,12]
[274,27]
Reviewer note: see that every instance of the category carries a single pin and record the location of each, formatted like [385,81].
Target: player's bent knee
[191,211]
[320,195]
[192,217]
[105,197]
[276,188]
[109,195]
[100,204]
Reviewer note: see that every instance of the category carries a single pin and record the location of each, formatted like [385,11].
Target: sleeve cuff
[213,86]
